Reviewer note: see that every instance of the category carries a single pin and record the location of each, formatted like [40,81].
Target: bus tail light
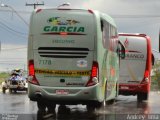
[146,77]
[32,78]
[94,75]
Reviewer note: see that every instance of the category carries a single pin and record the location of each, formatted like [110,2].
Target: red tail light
[94,75]
[31,68]
[94,70]
[146,77]
[32,78]
[146,74]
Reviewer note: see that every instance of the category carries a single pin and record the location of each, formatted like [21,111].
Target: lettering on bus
[63,72]
[58,24]
[63,29]
[134,56]
[64,41]
[45,62]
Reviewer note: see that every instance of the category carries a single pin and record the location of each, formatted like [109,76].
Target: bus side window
[105,34]
[121,50]
[102,25]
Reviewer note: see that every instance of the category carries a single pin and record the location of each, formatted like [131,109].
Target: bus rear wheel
[142,96]
[94,106]
[90,107]
[41,106]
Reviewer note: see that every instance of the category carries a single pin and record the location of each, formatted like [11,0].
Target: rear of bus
[62,56]
[135,69]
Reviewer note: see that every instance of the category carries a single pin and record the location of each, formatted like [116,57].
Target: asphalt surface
[17,106]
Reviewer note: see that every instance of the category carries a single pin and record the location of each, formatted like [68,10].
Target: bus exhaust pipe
[38,95]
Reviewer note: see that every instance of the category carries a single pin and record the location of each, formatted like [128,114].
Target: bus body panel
[64,45]
[63,28]
[75,51]
[136,64]
[75,71]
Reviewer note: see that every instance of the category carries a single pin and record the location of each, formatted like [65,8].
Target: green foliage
[3,76]
[156,74]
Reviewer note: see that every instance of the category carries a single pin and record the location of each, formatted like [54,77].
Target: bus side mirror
[121,50]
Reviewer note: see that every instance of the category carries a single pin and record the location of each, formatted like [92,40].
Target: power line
[8,6]
[11,23]
[12,29]
[22,12]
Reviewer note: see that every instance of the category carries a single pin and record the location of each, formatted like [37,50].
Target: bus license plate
[62,92]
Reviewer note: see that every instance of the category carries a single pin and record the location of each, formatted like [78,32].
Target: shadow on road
[66,113]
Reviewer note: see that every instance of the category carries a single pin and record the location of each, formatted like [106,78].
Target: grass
[3,76]
[154,84]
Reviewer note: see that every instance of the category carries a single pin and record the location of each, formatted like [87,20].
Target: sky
[131,16]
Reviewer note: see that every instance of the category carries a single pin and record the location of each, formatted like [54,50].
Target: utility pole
[0,46]
[34,4]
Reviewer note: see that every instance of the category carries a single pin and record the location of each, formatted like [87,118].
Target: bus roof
[102,15]
[108,18]
[132,34]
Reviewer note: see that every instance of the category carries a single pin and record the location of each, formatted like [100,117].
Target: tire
[15,91]
[41,106]
[51,107]
[4,90]
[100,105]
[91,108]
[26,90]
[94,106]
[110,102]
[142,96]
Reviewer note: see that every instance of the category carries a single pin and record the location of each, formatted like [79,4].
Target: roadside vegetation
[3,76]
[155,81]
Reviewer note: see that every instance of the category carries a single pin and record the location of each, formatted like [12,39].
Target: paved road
[19,107]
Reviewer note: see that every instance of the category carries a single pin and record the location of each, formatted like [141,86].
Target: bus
[135,69]
[73,58]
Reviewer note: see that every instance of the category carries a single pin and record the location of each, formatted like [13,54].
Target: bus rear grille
[63,52]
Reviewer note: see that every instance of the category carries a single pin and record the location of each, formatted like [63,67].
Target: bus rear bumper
[125,89]
[68,95]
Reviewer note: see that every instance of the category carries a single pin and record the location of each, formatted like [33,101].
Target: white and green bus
[73,58]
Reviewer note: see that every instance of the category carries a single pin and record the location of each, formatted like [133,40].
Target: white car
[15,83]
